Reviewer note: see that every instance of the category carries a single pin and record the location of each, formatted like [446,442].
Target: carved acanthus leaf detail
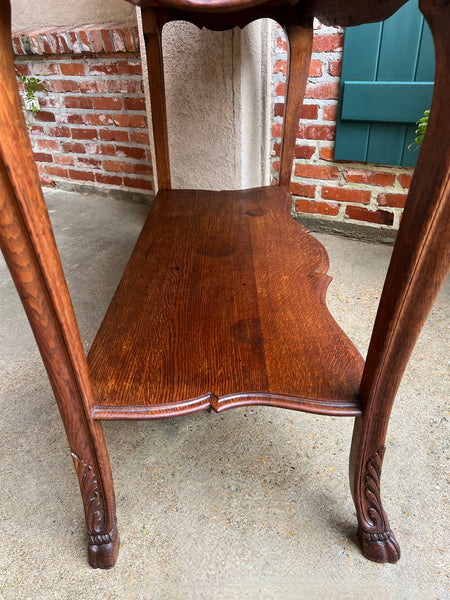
[372,507]
[92,495]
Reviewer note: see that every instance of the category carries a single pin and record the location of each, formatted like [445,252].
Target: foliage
[32,86]
[420,131]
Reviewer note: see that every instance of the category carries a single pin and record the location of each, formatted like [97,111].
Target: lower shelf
[222,304]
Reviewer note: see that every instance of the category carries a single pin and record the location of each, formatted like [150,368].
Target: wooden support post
[300,46]
[152,36]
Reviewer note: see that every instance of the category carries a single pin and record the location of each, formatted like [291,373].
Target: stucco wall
[38,14]
[216,86]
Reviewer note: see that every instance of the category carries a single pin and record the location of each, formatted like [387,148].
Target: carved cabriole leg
[27,243]
[419,266]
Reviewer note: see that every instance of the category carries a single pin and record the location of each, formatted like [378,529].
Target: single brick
[117,135]
[276,167]
[45,44]
[309,111]
[74,118]
[124,86]
[335,68]
[108,68]
[73,147]
[301,189]
[394,200]
[45,115]
[52,145]
[276,149]
[104,149]
[325,90]
[370,177]
[55,101]
[330,112]
[342,194]
[43,69]
[42,157]
[97,41]
[108,103]
[78,102]
[92,119]
[62,86]
[131,152]
[92,87]
[18,49]
[129,68]
[136,121]
[46,181]
[23,68]
[83,133]
[405,180]
[57,171]
[381,217]
[93,163]
[278,109]
[72,68]
[128,39]
[117,166]
[37,130]
[316,132]
[327,153]
[143,184]
[84,41]
[59,131]
[117,39]
[328,43]
[315,68]
[81,175]
[76,48]
[280,90]
[281,44]
[316,171]
[142,169]
[317,208]
[134,103]
[277,130]
[64,159]
[139,137]
[280,66]
[108,179]
[304,151]
[106,39]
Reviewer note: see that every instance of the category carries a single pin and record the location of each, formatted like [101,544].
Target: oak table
[222,303]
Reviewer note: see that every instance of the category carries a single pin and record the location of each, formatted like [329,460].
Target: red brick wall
[92,126]
[324,189]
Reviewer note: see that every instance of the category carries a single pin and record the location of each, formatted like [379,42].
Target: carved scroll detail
[99,539]
[92,498]
[372,507]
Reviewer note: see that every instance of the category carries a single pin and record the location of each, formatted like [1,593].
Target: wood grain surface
[223,296]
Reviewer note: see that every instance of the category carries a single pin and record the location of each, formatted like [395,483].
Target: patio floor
[254,503]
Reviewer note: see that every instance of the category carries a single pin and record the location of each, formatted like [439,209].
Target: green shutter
[386,84]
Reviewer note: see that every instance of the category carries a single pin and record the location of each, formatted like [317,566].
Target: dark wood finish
[223,301]
[29,248]
[152,36]
[300,46]
[220,305]
[419,266]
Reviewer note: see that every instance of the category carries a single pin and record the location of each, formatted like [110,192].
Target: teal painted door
[386,84]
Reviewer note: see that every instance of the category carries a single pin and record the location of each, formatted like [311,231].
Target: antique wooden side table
[222,303]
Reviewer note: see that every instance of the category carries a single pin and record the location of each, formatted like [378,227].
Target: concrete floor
[251,504]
